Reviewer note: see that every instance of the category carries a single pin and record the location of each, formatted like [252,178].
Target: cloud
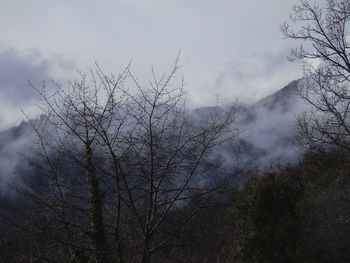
[14,146]
[255,75]
[17,69]
[209,33]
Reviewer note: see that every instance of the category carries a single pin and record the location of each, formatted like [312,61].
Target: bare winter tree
[324,34]
[71,189]
[126,168]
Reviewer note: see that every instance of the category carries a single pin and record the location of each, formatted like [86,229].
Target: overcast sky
[230,47]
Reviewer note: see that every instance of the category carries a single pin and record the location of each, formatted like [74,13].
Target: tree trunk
[146,258]
[98,234]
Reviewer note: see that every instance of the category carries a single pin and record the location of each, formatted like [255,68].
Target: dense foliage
[298,214]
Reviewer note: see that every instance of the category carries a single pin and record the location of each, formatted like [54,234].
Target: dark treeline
[298,214]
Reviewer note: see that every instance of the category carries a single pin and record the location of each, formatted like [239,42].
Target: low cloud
[14,147]
[18,69]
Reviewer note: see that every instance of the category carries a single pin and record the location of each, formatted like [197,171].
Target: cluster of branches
[121,169]
[325,55]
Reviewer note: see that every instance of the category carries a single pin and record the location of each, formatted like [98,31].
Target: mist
[267,131]
[266,128]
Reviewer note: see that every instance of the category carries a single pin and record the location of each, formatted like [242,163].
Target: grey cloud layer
[17,70]
[15,73]
[209,33]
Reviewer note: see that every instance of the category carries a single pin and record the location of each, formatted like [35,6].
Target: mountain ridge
[268,129]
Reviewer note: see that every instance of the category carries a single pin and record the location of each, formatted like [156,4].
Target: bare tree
[126,167]
[70,145]
[324,52]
